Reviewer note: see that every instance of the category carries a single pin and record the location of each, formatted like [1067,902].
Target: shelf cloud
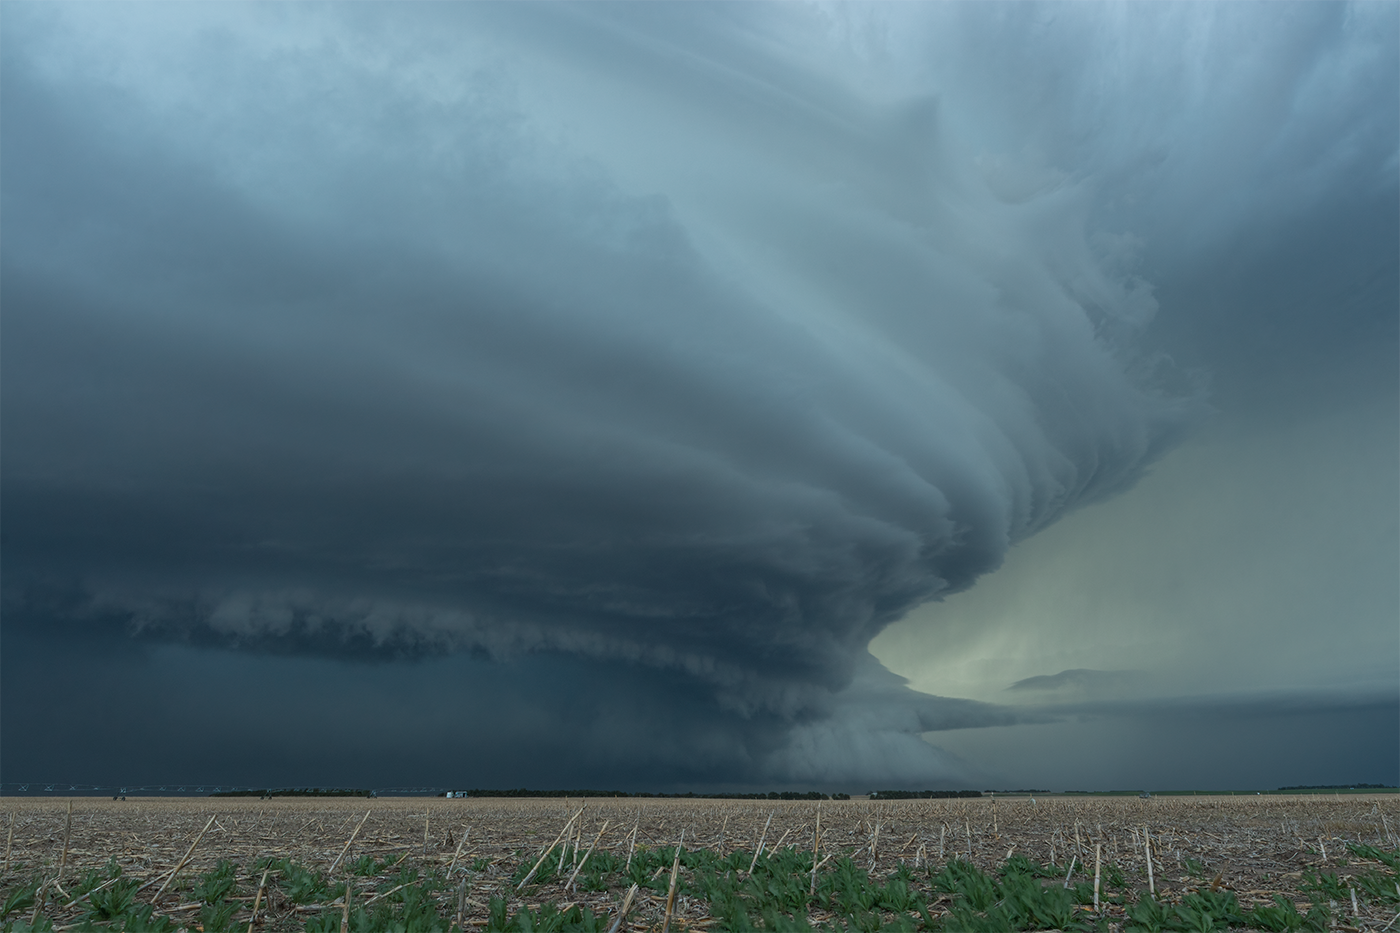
[690,346]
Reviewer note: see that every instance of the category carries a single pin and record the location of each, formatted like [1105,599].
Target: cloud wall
[695,339]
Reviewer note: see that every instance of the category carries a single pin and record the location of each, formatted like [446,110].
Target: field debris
[1277,863]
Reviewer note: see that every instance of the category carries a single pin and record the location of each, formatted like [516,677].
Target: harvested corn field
[1114,864]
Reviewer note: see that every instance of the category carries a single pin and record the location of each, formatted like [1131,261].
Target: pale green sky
[1245,561]
[1247,589]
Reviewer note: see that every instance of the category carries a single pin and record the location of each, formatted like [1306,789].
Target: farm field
[1273,863]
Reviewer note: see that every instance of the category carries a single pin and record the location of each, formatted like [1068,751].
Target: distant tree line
[1339,787]
[297,792]
[921,794]
[689,795]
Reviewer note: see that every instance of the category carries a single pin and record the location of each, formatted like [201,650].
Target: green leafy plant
[19,900]
[219,882]
[113,902]
[217,917]
[141,918]
[1327,887]
[42,925]
[1391,859]
[1282,917]
[300,885]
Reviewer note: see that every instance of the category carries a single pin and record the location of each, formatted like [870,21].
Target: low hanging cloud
[1078,683]
[334,335]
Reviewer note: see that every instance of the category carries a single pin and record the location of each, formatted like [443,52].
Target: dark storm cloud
[650,340]
[683,348]
[1245,154]
[163,711]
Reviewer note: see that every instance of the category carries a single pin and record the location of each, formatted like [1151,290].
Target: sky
[700,396]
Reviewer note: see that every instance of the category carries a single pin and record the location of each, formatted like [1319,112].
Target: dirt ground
[1255,846]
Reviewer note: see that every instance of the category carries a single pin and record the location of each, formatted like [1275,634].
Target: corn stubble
[1261,863]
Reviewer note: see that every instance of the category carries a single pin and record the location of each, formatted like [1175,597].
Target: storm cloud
[661,355]
[1253,152]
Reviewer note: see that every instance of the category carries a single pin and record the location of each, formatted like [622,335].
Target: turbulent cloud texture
[696,340]
[1252,150]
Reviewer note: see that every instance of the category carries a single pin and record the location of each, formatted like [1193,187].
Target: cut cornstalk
[38,903]
[571,840]
[67,832]
[87,894]
[393,890]
[622,912]
[1147,851]
[759,850]
[257,901]
[461,903]
[463,842]
[1098,858]
[349,842]
[671,888]
[188,852]
[580,865]
[816,868]
[632,844]
[9,841]
[567,826]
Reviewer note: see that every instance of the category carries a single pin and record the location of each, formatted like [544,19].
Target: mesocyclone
[685,338]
